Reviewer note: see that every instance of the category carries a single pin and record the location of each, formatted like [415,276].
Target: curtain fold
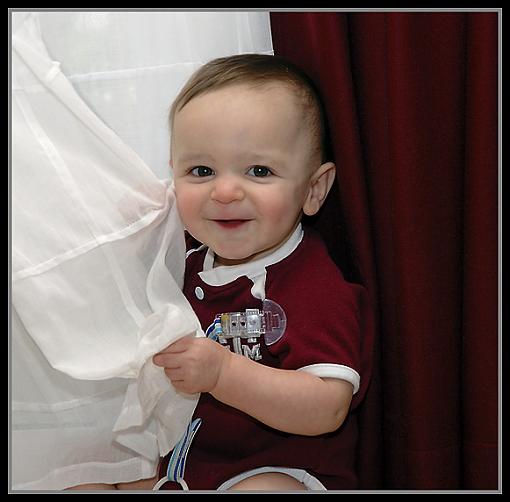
[480,272]
[412,108]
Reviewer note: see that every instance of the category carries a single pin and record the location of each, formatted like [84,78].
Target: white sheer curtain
[128,66]
[97,246]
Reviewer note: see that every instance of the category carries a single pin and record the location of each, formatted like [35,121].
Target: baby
[248,160]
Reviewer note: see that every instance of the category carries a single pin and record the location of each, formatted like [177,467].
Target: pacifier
[270,322]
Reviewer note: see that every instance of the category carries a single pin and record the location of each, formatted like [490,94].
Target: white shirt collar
[219,276]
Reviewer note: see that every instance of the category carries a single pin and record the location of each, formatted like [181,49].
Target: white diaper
[310,482]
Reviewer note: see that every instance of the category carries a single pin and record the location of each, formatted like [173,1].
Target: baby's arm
[291,401]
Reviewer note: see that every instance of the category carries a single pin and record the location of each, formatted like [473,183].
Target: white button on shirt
[199,293]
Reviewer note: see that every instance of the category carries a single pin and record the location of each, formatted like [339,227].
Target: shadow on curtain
[413,112]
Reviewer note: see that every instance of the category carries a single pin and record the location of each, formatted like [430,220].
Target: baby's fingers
[166,360]
[174,374]
[178,346]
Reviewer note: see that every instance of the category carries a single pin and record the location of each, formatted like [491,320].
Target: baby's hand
[193,364]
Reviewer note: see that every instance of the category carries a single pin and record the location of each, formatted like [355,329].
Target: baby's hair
[257,69]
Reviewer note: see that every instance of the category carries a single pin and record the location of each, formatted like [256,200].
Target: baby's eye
[260,171]
[202,171]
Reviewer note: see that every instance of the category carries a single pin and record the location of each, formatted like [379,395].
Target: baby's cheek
[279,209]
[187,205]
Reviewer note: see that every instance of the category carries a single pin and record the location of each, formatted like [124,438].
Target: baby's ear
[320,184]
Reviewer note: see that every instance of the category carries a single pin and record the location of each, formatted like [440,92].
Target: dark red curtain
[412,101]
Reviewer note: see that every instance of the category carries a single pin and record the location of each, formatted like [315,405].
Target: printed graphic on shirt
[241,331]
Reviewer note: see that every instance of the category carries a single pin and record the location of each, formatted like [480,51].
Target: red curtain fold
[413,113]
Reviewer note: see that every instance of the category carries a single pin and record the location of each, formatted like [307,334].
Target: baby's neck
[222,262]
[225,262]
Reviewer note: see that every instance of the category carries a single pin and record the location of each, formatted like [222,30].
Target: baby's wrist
[223,371]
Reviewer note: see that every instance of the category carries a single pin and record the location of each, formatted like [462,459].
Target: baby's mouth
[231,224]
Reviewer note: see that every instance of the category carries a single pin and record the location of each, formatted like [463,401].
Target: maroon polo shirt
[323,335]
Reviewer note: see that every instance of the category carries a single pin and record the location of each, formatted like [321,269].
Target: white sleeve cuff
[329,370]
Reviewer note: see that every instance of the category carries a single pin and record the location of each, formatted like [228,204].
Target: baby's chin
[232,255]
[232,259]
[220,261]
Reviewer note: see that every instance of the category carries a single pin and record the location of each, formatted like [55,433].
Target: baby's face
[241,160]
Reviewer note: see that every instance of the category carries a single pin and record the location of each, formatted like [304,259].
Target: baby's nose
[227,189]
